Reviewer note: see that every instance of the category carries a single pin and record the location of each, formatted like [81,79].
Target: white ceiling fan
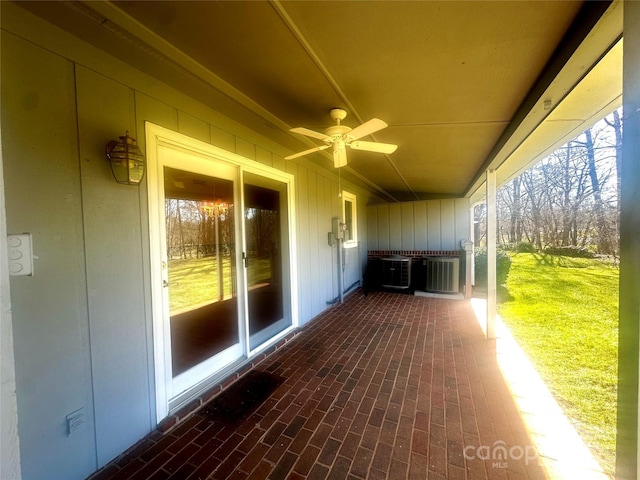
[339,137]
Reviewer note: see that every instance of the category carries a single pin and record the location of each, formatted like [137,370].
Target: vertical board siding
[313,245]
[420,225]
[324,251]
[159,113]
[49,309]
[330,191]
[223,139]
[372,227]
[447,225]
[245,148]
[395,226]
[362,235]
[434,241]
[90,324]
[407,226]
[352,267]
[278,162]
[302,235]
[383,227]
[463,220]
[264,156]
[192,127]
[113,212]
[428,225]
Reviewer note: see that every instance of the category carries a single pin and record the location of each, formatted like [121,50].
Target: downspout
[340,270]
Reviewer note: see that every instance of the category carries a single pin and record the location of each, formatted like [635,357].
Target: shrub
[507,247]
[519,247]
[503,265]
[570,251]
[525,247]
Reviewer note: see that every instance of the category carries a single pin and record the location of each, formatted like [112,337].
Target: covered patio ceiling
[464,86]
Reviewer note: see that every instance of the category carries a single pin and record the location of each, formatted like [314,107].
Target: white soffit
[599,93]
[588,88]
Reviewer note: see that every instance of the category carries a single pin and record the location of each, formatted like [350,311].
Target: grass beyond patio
[564,314]
[194,281]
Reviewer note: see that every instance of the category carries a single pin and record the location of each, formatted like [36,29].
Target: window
[350,219]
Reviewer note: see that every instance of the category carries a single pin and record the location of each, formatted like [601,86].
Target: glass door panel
[266,257]
[202,286]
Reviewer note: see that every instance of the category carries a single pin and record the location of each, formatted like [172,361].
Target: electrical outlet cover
[20,254]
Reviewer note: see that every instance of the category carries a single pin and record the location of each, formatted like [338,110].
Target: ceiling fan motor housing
[337,131]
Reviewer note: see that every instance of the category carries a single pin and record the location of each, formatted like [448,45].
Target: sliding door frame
[157,137]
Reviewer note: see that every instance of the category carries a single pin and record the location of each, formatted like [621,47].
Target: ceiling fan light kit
[339,154]
[339,137]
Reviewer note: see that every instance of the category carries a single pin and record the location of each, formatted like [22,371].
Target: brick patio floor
[382,387]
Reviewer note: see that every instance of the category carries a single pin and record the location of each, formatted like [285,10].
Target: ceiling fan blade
[373,146]
[367,128]
[339,155]
[306,152]
[311,133]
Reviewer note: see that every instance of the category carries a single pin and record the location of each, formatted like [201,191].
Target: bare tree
[603,240]
[533,206]
[509,200]
[570,198]
[616,124]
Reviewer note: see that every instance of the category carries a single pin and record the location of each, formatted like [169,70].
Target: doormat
[243,397]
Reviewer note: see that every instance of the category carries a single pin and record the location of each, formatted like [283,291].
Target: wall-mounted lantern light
[126,159]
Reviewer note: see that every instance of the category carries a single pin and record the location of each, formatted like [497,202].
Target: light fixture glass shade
[126,160]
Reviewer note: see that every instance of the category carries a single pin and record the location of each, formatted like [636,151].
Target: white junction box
[20,252]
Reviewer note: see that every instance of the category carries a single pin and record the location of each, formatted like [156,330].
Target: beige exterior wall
[434,225]
[83,327]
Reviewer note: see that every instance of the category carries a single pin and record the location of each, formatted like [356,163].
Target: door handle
[245,259]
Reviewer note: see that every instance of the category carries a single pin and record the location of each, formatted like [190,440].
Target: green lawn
[194,281]
[564,313]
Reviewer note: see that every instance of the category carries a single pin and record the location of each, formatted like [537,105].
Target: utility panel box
[396,272]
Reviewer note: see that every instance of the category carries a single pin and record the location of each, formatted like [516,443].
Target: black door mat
[243,397]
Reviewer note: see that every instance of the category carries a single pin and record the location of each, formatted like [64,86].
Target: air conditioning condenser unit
[396,272]
[442,274]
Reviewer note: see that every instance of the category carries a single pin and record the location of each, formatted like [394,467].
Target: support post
[627,444]
[491,254]
[467,246]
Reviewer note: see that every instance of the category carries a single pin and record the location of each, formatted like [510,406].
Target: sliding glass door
[203,307]
[202,283]
[266,257]
[221,262]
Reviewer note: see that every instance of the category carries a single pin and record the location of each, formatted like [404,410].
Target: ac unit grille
[396,272]
[442,274]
